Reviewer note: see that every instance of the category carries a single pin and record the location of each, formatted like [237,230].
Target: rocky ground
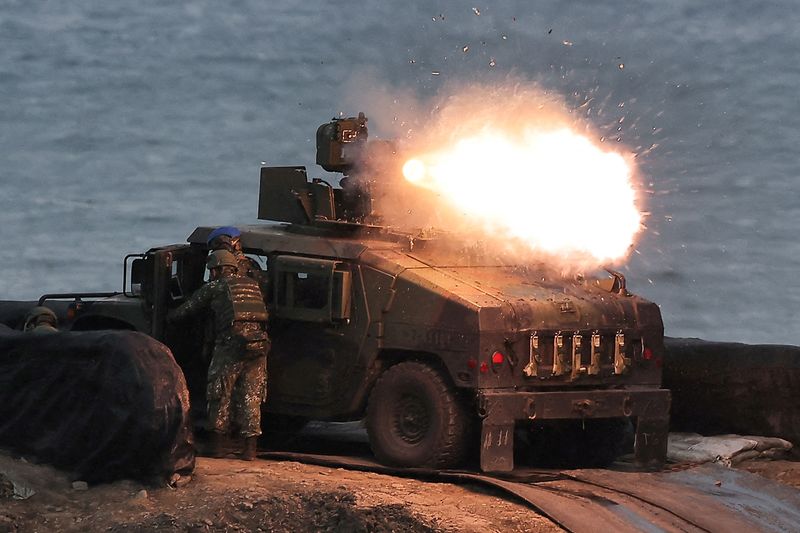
[267,495]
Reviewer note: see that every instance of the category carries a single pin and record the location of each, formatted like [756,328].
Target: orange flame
[514,167]
[551,189]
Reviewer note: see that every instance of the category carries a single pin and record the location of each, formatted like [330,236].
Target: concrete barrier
[724,387]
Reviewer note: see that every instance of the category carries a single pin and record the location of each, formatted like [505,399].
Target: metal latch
[577,369]
[532,368]
[559,364]
[620,361]
[594,366]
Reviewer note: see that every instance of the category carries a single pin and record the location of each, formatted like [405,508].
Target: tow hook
[530,408]
[583,407]
[483,407]
[627,406]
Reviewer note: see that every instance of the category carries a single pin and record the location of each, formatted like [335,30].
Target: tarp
[104,404]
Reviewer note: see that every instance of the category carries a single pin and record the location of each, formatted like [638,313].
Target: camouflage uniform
[43,329]
[238,372]
[246,265]
[41,320]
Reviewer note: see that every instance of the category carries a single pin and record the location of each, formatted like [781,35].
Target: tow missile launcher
[443,348]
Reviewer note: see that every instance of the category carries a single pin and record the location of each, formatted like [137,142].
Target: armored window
[304,289]
[313,290]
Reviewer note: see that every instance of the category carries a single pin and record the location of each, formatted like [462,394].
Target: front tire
[416,419]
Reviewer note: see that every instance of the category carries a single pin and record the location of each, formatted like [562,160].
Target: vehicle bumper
[500,410]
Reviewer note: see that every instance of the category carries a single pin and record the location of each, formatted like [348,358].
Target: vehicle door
[164,278]
[309,327]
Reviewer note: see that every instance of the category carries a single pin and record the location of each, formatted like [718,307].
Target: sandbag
[724,449]
[104,404]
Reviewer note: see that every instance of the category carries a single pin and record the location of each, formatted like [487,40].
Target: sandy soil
[782,471]
[233,495]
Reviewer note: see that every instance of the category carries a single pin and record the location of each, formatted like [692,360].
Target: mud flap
[497,446]
[650,445]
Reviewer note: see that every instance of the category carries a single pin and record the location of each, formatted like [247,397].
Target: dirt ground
[233,495]
[265,495]
[782,471]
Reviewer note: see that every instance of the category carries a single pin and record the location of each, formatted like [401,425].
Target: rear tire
[416,419]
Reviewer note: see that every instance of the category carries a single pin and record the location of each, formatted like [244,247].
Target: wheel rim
[411,419]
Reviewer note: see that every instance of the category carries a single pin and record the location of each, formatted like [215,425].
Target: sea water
[125,125]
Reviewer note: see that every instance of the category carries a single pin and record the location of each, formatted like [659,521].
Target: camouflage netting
[104,404]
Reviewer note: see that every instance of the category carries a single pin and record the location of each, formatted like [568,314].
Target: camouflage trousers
[236,389]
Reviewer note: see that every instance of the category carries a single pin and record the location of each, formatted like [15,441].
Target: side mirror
[137,271]
[137,276]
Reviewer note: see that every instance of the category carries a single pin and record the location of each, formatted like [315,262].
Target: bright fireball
[555,191]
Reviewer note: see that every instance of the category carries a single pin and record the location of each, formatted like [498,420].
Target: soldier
[238,371]
[227,238]
[40,320]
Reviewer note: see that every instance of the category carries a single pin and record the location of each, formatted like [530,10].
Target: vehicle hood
[519,298]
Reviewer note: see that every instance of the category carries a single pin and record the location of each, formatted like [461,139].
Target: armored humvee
[442,349]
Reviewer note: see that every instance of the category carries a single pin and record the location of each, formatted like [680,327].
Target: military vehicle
[442,349]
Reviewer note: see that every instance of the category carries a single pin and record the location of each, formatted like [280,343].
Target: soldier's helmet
[40,315]
[221,258]
[225,237]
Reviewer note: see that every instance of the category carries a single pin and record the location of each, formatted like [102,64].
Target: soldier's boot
[216,445]
[250,448]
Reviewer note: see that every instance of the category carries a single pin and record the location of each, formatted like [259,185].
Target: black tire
[416,419]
